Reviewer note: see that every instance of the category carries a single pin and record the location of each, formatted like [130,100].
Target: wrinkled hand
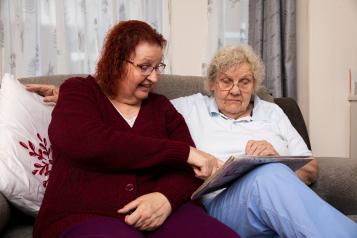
[147,212]
[204,164]
[260,148]
[308,173]
[49,92]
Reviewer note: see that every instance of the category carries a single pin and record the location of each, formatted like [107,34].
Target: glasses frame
[234,82]
[158,68]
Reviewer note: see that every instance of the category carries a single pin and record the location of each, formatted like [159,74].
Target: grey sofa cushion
[168,85]
[4,212]
[336,183]
[20,231]
[187,85]
[51,79]
[353,217]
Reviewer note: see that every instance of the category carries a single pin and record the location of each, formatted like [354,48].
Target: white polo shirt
[221,136]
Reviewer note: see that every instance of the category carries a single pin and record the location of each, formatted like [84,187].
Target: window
[227,25]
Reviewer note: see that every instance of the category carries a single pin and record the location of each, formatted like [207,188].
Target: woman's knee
[266,176]
[271,171]
[273,168]
[192,221]
[261,182]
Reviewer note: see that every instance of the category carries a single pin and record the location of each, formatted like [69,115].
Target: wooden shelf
[353,125]
[352,98]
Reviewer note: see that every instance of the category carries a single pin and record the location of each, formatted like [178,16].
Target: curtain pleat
[45,37]
[272,34]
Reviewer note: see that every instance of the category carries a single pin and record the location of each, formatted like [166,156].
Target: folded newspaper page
[236,167]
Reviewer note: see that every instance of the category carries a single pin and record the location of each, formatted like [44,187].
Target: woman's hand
[308,173]
[49,92]
[147,212]
[260,148]
[203,163]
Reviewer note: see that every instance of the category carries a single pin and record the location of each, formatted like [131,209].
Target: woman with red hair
[123,156]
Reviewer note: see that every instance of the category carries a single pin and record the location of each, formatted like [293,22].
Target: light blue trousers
[271,201]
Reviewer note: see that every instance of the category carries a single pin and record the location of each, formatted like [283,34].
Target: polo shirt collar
[214,112]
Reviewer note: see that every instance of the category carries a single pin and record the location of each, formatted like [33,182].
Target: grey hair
[229,57]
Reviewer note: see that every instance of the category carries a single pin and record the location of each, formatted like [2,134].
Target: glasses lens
[147,69]
[225,84]
[161,67]
[245,83]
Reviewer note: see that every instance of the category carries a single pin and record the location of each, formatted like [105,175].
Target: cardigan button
[129,187]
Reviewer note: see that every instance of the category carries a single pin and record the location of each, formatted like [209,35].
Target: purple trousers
[187,221]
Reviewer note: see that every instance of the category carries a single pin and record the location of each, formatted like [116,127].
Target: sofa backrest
[50,79]
[172,86]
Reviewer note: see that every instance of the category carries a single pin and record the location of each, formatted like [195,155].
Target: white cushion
[25,150]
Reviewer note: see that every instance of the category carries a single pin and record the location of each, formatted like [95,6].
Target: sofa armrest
[337,183]
[292,110]
[4,212]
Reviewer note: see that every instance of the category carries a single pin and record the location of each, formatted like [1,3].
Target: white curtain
[44,37]
[227,25]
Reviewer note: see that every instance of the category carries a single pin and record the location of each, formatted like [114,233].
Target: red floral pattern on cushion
[43,163]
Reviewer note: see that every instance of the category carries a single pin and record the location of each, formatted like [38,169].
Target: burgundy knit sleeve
[178,186]
[77,131]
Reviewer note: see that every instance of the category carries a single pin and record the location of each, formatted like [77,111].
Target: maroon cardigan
[101,163]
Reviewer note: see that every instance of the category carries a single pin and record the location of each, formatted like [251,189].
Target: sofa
[337,181]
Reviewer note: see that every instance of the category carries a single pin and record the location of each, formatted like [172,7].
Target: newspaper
[236,167]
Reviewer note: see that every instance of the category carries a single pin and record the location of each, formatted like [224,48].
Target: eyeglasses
[146,69]
[226,84]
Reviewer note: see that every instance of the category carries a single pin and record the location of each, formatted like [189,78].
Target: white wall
[302,30]
[327,48]
[188,40]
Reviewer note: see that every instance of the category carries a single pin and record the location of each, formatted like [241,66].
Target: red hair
[120,43]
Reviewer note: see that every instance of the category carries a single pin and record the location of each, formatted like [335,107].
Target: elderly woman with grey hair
[270,201]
